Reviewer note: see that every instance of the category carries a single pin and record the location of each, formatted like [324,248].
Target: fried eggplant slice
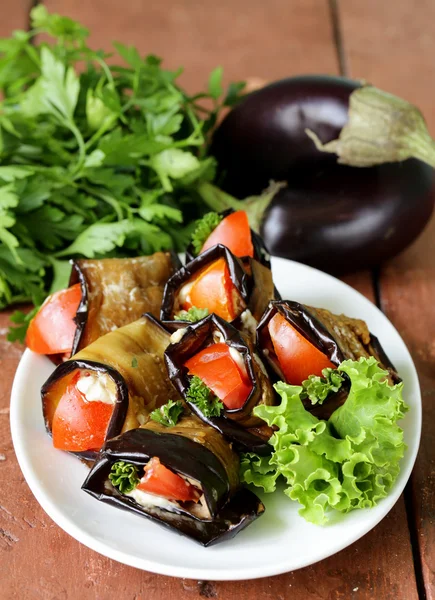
[117,291]
[296,341]
[232,366]
[192,455]
[109,387]
[218,282]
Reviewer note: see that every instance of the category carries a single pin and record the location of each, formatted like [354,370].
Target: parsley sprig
[124,476]
[203,229]
[202,396]
[192,315]
[168,414]
[317,389]
[96,159]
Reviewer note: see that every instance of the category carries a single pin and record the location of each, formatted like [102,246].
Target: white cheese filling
[177,335]
[199,509]
[97,387]
[238,359]
[249,323]
[150,500]
[184,293]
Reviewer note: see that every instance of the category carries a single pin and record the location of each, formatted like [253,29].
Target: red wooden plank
[14,16]
[392,45]
[266,40]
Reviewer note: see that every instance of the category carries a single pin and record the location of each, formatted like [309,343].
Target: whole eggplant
[330,216]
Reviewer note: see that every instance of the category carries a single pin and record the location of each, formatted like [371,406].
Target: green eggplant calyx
[254,206]
[382,128]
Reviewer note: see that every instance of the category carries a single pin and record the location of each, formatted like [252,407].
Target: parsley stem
[82,149]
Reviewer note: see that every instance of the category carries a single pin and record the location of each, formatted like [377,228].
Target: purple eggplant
[331,216]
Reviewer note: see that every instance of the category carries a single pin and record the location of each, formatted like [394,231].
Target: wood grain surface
[264,40]
[394,50]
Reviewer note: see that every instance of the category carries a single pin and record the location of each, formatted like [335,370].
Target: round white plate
[279,541]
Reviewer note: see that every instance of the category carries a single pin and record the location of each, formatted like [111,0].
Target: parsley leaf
[124,476]
[22,321]
[168,414]
[193,315]
[317,389]
[97,158]
[200,395]
[203,229]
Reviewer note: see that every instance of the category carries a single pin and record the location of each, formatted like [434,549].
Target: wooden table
[391,44]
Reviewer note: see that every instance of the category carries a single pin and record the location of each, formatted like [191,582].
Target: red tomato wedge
[79,425]
[213,289]
[161,481]
[215,366]
[52,330]
[234,233]
[298,358]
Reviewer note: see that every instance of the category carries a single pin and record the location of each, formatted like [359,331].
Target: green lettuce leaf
[349,462]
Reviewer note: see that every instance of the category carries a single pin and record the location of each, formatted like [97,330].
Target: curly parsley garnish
[168,414]
[192,315]
[203,229]
[202,396]
[317,389]
[124,476]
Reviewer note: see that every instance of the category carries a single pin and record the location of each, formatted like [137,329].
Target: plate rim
[247,573]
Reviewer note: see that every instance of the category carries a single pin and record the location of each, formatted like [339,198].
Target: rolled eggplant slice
[191,454]
[117,291]
[226,362]
[109,387]
[297,341]
[218,282]
[102,296]
[231,229]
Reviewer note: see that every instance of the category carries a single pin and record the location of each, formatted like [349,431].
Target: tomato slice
[161,481]
[79,425]
[234,233]
[298,358]
[216,367]
[52,329]
[213,289]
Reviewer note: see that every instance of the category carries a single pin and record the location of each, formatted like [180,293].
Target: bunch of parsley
[96,159]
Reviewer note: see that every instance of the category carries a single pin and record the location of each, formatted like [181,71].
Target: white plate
[279,541]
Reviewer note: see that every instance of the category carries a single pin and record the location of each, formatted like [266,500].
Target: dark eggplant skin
[238,276]
[264,137]
[338,337]
[186,457]
[253,281]
[121,405]
[152,275]
[330,216]
[145,340]
[261,254]
[239,425]
[341,219]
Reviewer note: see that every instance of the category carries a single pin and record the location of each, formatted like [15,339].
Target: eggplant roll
[117,291]
[335,337]
[145,470]
[221,283]
[231,365]
[107,388]
[219,235]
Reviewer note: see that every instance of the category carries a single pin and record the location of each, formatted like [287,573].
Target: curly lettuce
[348,462]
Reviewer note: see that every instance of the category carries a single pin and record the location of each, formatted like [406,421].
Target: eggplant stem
[254,206]
[381,128]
